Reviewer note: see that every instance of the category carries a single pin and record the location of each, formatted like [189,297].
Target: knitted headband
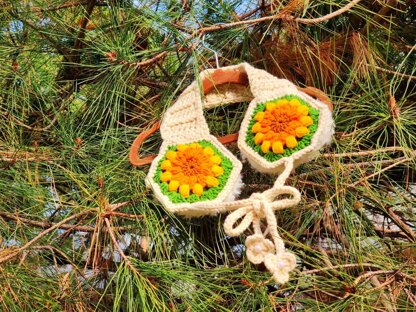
[195,175]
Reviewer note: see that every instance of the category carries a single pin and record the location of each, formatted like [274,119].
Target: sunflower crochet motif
[282,126]
[191,168]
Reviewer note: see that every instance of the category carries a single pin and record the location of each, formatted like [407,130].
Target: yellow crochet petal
[184,190]
[165,165]
[259,116]
[198,189]
[212,181]
[270,106]
[302,110]
[216,160]
[195,145]
[258,138]
[181,147]
[301,131]
[282,102]
[306,121]
[256,127]
[291,141]
[208,151]
[171,155]
[217,170]
[278,147]
[173,186]
[265,147]
[165,176]
[294,102]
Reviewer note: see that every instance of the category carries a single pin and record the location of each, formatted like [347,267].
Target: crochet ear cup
[287,125]
[185,175]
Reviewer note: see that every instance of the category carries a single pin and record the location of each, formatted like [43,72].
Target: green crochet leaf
[302,143]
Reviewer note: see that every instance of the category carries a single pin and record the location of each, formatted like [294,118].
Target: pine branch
[66,5]
[208,29]
[395,73]
[10,254]
[306,21]
[62,50]
[82,29]
[14,156]
[45,224]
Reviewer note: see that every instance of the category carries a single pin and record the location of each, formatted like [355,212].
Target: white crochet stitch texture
[184,123]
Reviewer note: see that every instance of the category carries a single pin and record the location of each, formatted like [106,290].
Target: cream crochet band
[195,175]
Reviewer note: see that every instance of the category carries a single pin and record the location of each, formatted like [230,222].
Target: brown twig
[388,212]
[387,232]
[93,251]
[362,276]
[381,15]
[371,274]
[351,165]
[114,207]
[83,24]
[311,21]
[55,226]
[341,266]
[75,56]
[117,246]
[396,163]
[395,73]
[250,13]
[412,297]
[45,224]
[147,62]
[141,64]
[46,128]
[409,232]
[122,215]
[308,21]
[393,162]
[65,5]
[367,153]
[13,156]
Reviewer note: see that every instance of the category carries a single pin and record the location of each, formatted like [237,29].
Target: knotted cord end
[260,249]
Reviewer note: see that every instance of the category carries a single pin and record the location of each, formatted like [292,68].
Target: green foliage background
[80,79]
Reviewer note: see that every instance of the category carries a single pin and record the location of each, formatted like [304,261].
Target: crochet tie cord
[195,175]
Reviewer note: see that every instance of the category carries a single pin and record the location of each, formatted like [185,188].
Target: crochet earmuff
[195,175]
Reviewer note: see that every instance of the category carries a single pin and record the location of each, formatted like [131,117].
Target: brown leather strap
[134,155]
[220,77]
[318,94]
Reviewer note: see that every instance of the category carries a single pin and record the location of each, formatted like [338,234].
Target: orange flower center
[279,121]
[191,165]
